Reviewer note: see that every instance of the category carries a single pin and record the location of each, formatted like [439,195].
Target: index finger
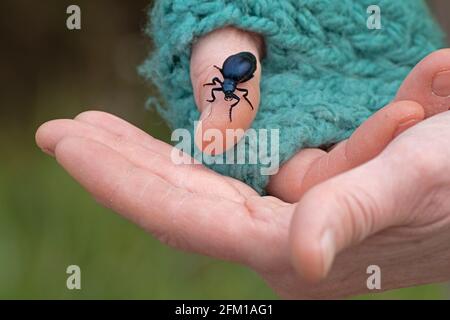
[208,56]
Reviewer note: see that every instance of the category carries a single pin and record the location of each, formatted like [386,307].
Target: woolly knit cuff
[324,73]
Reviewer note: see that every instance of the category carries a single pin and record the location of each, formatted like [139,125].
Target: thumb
[210,51]
[347,209]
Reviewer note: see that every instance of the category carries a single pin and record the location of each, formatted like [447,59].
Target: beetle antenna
[218,68]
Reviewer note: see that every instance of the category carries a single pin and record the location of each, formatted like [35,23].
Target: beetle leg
[214,82]
[212,94]
[233,105]
[245,91]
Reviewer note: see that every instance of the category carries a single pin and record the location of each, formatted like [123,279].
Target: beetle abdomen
[239,67]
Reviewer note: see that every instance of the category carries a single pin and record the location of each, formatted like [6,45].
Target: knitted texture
[323,74]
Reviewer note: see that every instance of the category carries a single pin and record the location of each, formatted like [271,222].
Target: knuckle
[360,210]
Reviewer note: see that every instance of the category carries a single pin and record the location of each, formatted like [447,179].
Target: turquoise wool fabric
[323,74]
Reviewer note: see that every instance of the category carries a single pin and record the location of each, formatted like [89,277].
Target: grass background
[47,221]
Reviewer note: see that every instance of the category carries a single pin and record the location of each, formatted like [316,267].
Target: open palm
[379,198]
[186,206]
[193,208]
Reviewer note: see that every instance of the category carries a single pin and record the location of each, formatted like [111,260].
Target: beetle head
[228,96]
[228,88]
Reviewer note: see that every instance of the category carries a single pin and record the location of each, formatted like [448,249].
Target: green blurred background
[47,221]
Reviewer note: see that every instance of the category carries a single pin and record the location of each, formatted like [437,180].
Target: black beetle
[236,69]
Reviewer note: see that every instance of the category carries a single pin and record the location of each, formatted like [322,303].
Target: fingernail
[441,84]
[405,125]
[327,246]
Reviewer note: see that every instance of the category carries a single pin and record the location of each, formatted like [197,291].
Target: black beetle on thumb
[236,69]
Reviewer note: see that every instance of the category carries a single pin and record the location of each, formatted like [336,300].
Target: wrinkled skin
[382,197]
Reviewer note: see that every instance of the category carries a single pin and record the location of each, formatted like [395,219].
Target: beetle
[236,69]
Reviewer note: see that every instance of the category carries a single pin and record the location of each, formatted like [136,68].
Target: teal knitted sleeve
[323,74]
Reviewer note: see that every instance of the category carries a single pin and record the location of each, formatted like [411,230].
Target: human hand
[421,95]
[132,173]
[192,208]
[312,165]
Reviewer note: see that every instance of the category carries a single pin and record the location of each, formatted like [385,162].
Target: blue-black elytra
[237,68]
